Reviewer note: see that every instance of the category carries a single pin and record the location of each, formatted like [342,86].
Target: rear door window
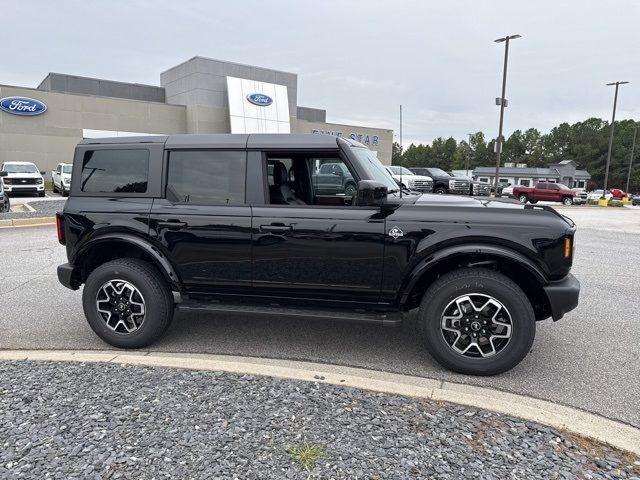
[207,177]
[115,171]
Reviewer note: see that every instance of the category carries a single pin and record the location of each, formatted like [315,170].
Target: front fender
[494,251]
[156,254]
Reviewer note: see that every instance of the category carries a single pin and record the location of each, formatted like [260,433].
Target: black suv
[238,223]
[444,182]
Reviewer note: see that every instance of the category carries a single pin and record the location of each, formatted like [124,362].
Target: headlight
[452,183]
[39,180]
[7,181]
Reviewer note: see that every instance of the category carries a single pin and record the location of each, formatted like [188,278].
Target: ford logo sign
[22,106]
[260,99]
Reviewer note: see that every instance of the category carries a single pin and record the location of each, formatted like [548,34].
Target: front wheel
[440,190]
[523,198]
[477,322]
[567,201]
[127,302]
[5,203]
[350,190]
[41,194]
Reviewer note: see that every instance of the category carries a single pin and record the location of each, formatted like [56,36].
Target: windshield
[438,172]
[20,168]
[66,169]
[375,169]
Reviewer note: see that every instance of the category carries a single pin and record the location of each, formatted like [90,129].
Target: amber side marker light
[567,247]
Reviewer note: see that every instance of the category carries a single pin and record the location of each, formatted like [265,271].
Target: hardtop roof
[229,140]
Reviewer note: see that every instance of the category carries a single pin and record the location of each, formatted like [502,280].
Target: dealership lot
[588,359]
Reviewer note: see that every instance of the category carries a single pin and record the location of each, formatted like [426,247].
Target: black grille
[21,181]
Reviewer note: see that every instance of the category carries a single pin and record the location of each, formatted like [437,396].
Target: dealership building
[201,95]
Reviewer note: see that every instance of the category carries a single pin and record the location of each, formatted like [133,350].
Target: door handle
[276,228]
[172,224]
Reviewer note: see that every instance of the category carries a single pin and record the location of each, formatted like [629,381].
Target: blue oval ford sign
[260,99]
[22,106]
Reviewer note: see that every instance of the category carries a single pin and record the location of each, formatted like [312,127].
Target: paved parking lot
[589,359]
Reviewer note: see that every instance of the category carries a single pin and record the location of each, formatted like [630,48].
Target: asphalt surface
[210,425]
[589,359]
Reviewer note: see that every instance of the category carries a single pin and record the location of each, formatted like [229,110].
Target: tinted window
[115,171]
[206,177]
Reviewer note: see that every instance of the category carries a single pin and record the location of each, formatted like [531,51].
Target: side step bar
[387,319]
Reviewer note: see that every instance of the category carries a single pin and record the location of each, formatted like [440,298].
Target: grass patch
[306,456]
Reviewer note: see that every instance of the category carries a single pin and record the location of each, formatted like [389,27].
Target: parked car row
[427,180]
[26,178]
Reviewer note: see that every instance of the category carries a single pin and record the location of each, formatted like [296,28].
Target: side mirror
[3,173]
[371,193]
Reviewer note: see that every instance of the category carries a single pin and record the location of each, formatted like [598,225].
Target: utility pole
[633,146]
[401,152]
[502,102]
[468,162]
[613,120]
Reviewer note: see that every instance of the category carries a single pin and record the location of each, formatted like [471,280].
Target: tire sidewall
[523,199]
[522,317]
[152,325]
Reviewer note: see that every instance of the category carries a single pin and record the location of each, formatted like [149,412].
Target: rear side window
[115,171]
[207,177]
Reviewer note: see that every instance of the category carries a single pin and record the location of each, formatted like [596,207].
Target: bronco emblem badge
[396,233]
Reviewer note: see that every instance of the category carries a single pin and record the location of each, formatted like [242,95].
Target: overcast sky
[357,59]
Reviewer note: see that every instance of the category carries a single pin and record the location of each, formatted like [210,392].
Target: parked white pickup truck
[61,178]
[22,177]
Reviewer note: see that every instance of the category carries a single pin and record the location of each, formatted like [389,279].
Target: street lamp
[613,119]
[467,163]
[633,146]
[502,102]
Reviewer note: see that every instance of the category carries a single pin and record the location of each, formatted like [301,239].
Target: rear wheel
[533,201]
[477,322]
[127,302]
[523,198]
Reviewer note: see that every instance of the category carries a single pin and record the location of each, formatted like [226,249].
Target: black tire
[53,187]
[156,294]
[440,190]
[489,283]
[533,201]
[523,198]
[567,201]
[350,189]
[41,194]
[5,203]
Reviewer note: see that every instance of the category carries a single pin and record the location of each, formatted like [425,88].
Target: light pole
[502,102]
[469,154]
[613,120]
[633,146]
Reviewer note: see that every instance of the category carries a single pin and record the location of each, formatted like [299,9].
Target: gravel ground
[44,208]
[74,420]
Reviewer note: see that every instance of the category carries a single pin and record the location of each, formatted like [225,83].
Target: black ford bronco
[238,223]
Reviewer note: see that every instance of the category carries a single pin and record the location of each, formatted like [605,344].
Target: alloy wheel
[121,306]
[476,325]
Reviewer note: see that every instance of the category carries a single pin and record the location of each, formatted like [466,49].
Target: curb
[27,222]
[560,417]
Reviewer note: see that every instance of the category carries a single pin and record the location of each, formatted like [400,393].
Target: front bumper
[563,296]
[24,189]
[69,276]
